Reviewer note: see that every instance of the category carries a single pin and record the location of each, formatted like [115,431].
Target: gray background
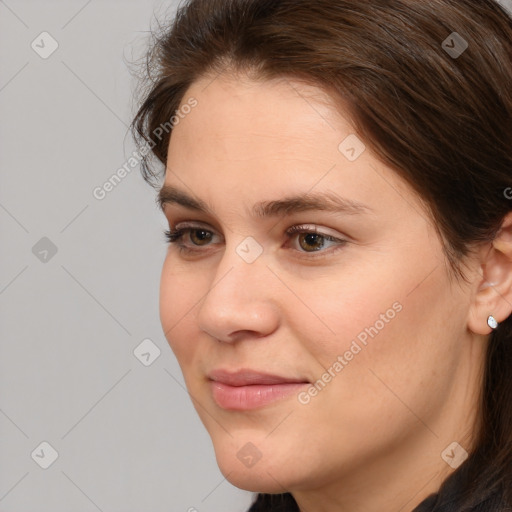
[126,434]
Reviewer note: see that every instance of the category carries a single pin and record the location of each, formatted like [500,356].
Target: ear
[494,292]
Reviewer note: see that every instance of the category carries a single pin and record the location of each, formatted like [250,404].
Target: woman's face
[368,317]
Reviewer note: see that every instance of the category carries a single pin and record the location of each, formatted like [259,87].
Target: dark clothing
[449,499]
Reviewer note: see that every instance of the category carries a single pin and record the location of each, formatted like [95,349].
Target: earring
[491,322]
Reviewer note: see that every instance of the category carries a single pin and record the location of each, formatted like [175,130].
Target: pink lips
[249,389]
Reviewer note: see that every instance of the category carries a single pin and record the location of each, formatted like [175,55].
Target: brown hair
[442,122]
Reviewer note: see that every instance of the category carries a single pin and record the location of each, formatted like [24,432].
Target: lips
[248,377]
[247,389]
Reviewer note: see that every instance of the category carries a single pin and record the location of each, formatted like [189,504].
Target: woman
[338,285]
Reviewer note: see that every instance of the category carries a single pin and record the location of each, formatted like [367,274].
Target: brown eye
[202,238]
[312,241]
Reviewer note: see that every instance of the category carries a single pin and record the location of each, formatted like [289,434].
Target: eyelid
[313,228]
[293,229]
[193,225]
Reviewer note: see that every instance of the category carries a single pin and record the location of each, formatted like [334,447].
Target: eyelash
[174,236]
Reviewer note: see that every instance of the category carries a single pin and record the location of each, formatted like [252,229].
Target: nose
[241,301]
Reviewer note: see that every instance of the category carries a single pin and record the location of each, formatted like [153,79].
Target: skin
[372,438]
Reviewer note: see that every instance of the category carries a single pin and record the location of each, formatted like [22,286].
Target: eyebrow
[325,201]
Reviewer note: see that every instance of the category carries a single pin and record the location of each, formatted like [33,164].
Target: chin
[255,481]
[249,469]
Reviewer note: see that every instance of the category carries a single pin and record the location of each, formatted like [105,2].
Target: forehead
[262,140]
[276,123]
[275,109]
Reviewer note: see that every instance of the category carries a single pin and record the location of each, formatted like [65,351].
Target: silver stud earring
[491,322]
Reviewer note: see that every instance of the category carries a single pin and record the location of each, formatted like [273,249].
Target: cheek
[347,305]
[388,324]
[179,293]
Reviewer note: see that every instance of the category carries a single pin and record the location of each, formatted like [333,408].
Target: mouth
[248,389]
